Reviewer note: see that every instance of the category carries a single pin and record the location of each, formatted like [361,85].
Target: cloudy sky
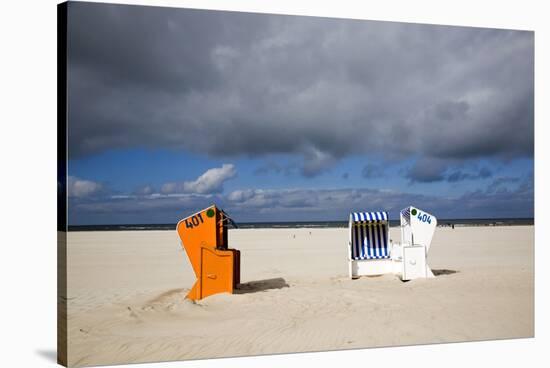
[285,118]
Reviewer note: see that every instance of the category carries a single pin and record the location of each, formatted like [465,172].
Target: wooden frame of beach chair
[369,244]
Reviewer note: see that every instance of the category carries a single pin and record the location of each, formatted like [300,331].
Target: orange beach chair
[204,237]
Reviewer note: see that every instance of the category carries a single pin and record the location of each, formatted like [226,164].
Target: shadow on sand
[261,285]
[443,272]
[50,355]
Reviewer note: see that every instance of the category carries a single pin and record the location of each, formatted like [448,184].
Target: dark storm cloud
[460,175]
[500,183]
[236,84]
[429,170]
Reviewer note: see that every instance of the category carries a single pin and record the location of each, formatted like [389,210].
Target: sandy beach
[126,289]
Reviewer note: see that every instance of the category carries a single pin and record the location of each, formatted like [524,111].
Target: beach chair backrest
[417,226]
[369,235]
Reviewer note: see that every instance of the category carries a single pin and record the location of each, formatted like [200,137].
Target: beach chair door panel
[414,262]
[216,272]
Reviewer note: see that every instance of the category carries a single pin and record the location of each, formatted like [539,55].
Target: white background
[28,179]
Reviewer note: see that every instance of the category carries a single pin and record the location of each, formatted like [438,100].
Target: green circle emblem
[210,212]
[413,212]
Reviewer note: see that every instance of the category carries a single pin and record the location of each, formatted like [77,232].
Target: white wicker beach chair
[417,230]
[369,244]
[371,252]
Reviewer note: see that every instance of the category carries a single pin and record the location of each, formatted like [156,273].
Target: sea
[310,224]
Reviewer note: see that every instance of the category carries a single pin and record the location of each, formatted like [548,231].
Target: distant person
[453,226]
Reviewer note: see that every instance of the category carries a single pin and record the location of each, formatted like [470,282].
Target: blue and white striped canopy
[406,213]
[369,216]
